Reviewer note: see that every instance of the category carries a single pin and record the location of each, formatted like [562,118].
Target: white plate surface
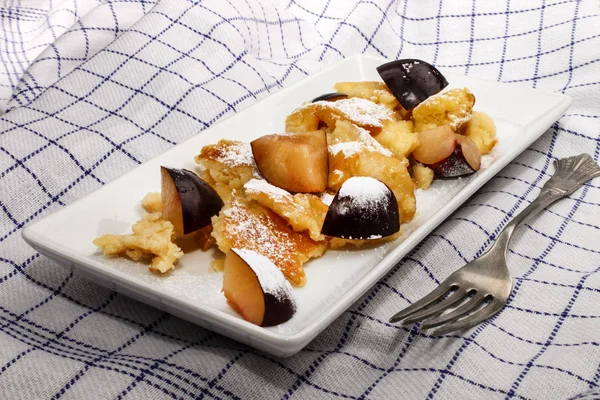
[335,280]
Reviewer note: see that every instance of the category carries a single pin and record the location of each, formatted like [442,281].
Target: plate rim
[272,341]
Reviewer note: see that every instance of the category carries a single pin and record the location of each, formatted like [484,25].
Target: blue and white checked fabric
[42,41]
[78,119]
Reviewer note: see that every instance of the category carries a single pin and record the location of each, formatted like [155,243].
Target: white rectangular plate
[335,280]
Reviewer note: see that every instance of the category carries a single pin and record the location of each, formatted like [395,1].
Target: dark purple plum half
[411,81]
[188,202]
[329,96]
[363,208]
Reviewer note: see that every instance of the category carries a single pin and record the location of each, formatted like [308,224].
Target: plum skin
[329,97]
[457,164]
[277,310]
[199,201]
[412,81]
[453,166]
[347,220]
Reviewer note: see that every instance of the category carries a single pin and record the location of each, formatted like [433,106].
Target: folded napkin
[189,64]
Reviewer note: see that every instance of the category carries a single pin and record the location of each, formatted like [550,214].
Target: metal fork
[481,288]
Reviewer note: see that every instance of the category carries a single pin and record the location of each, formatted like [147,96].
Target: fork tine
[472,319]
[448,302]
[434,295]
[452,316]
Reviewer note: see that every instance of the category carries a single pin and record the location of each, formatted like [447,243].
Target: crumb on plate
[152,202]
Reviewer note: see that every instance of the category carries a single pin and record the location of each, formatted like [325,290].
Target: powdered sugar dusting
[271,279]
[365,191]
[457,121]
[366,142]
[262,186]
[235,154]
[255,231]
[360,111]
[347,148]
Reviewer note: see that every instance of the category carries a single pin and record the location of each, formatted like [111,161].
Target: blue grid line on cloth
[94,364]
[50,142]
[105,353]
[98,359]
[558,325]
[406,346]
[8,62]
[413,332]
[538,343]
[29,47]
[23,51]
[491,354]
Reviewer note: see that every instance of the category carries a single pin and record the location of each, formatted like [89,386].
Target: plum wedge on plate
[188,202]
[412,81]
[447,153]
[464,160]
[256,288]
[296,162]
[363,208]
[435,145]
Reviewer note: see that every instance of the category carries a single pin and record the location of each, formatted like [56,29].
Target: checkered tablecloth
[92,88]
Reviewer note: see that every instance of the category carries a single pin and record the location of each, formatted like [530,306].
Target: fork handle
[570,174]
[544,199]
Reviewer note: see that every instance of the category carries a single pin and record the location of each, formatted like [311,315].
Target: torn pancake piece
[229,165]
[303,211]
[152,237]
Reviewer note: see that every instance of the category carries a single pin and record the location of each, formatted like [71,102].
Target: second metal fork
[481,288]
